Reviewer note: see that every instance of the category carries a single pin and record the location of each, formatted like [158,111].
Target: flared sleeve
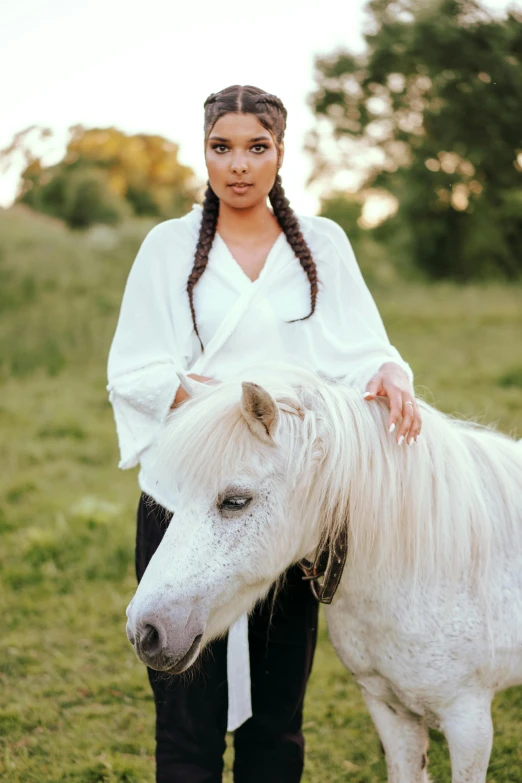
[351,316]
[144,355]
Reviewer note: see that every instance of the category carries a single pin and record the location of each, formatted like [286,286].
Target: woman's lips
[239,188]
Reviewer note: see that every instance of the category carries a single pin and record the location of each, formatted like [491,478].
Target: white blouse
[240,322]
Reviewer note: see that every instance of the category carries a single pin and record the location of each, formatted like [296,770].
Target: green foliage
[346,211]
[432,106]
[78,194]
[380,261]
[75,703]
[104,176]
[512,377]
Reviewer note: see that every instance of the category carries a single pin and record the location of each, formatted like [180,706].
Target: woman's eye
[217,147]
[260,147]
[234,503]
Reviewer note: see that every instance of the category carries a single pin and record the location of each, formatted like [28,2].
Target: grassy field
[75,703]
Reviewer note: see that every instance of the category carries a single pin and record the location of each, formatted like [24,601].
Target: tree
[103,175]
[431,110]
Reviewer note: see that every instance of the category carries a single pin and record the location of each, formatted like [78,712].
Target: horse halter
[329,565]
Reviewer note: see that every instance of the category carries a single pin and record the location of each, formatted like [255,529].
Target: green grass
[75,704]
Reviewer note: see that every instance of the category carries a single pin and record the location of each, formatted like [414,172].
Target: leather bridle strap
[328,564]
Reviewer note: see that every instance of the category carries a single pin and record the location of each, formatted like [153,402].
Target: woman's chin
[243,200]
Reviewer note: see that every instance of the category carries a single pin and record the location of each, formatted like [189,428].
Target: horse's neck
[439,510]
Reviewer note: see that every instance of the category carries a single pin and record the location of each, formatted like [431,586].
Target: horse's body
[428,614]
[421,664]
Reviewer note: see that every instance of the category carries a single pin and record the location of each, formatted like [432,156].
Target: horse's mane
[438,508]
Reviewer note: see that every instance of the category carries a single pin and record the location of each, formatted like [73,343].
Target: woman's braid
[272,100]
[207,232]
[288,221]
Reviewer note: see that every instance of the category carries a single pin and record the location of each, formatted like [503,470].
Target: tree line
[429,116]
[425,121]
[104,176]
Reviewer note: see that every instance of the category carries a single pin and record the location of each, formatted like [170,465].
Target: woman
[225,286]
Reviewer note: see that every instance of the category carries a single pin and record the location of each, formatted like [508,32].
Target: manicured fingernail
[411,441]
[367,394]
[392,427]
[400,441]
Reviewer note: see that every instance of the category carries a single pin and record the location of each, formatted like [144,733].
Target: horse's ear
[260,411]
[189,385]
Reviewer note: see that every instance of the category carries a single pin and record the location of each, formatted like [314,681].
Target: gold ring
[409,403]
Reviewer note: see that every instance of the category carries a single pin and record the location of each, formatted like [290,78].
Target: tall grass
[75,704]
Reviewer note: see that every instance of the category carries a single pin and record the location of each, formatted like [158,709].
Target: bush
[80,197]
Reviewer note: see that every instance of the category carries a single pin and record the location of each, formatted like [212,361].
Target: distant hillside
[60,290]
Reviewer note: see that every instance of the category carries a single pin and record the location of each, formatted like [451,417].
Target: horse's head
[235,452]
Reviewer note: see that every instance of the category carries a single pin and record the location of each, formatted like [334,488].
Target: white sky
[148,67]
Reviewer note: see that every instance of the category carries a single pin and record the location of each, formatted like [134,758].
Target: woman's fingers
[411,421]
[395,399]
[416,425]
[404,419]
[408,417]
[373,388]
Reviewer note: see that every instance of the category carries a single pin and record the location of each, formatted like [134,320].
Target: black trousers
[191,710]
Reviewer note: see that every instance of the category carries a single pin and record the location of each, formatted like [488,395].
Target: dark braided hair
[207,232]
[287,219]
[272,114]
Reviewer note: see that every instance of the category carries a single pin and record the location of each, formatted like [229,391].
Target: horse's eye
[234,503]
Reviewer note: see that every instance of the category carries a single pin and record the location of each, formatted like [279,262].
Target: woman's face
[240,149]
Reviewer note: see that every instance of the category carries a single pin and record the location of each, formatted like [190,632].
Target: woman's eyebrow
[256,138]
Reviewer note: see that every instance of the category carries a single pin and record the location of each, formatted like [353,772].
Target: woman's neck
[246,224]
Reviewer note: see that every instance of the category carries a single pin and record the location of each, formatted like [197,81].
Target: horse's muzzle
[165,645]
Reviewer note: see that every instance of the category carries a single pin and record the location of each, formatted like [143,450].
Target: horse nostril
[150,640]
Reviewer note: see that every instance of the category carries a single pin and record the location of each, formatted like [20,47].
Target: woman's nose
[238,166]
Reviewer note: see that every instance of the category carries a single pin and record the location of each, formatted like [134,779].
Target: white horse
[428,614]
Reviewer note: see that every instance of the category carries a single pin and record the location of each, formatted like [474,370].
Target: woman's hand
[181,394]
[391,381]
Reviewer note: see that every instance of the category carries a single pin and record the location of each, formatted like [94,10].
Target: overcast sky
[148,66]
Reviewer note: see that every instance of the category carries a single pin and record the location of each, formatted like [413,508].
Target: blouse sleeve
[366,346]
[144,355]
